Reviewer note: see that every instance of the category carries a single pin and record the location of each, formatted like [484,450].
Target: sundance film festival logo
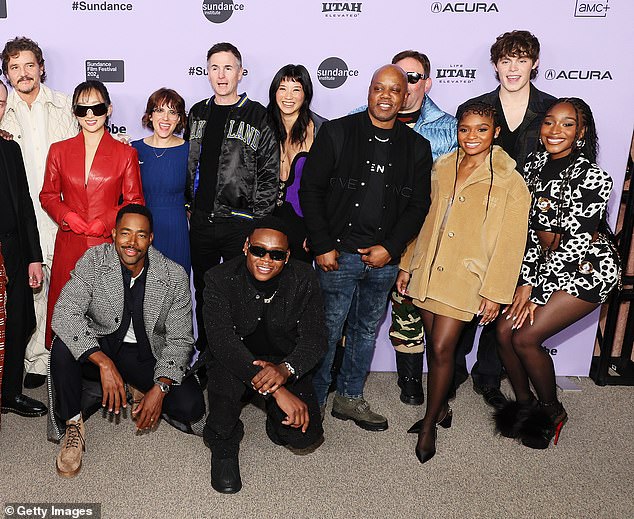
[456,74]
[464,7]
[341,9]
[591,8]
[333,72]
[221,10]
[580,75]
[108,71]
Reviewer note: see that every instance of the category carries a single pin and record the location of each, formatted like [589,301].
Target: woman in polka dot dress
[570,267]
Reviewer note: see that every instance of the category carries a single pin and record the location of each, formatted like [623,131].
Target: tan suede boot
[73,446]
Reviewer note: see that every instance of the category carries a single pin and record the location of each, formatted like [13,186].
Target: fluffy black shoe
[537,430]
[225,475]
[510,418]
[24,406]
[544,423]
[34,380]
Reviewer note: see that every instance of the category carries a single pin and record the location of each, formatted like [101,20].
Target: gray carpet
[355,473]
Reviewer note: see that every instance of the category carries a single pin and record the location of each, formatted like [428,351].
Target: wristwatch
[165,388]
[291,370]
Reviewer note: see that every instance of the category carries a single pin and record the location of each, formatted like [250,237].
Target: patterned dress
[569,198]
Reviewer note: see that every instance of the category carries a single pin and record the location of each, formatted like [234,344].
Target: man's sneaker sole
[368,426]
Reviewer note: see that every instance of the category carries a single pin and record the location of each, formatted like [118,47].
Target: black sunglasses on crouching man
[260,252]
[415,77]
[97,110]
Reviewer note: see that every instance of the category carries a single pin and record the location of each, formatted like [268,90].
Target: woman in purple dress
[295,126]
[163,161]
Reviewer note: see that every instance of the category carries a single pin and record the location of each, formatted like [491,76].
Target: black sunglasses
[415,77]
[260,252]
[97,110]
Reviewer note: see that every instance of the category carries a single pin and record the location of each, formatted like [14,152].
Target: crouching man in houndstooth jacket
[124,318]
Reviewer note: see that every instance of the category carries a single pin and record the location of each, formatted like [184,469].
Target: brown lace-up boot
[73,446]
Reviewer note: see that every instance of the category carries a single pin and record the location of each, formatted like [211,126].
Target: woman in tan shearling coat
[467,257]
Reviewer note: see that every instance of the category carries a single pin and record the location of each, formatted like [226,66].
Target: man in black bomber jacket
[233,169]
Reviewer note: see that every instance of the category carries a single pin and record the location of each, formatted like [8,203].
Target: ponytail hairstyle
[484,110]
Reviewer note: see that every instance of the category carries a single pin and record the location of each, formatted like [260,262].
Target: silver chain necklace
[159,156]
[267,300]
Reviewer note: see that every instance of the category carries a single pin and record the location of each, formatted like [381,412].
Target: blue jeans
[359,294]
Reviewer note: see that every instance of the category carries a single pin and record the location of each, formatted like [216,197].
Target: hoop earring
[580,143]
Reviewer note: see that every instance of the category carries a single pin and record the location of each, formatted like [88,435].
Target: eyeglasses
[415,77]
[260,252]
[171,114]
[97,110]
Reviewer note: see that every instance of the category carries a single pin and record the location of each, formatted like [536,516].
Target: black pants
[20,315]
[487,371]
[184,403]
[224,429]
[210,242]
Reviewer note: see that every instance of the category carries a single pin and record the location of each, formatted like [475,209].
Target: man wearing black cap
[265,325]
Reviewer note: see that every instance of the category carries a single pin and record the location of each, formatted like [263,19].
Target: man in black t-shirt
[364,192]
[233,169]
[520,109]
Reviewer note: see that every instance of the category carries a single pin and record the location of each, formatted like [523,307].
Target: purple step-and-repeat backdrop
[139,46]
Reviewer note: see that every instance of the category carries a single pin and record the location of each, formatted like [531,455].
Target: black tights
[442,334]
[521,350]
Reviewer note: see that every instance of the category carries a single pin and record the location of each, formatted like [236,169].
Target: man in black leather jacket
[233,170]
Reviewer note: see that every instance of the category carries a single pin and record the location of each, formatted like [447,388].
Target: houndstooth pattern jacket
[91,306]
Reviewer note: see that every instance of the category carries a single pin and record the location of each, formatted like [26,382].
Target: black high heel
[510,419]
[444,422]
[544,425]
[426,452]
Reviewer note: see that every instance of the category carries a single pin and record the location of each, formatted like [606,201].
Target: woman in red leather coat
[88,178]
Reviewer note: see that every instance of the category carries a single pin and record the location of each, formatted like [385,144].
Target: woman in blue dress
[163,161]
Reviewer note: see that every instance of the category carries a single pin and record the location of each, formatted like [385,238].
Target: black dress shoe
[24,406]
[225,475]
[33,380]
[492,396]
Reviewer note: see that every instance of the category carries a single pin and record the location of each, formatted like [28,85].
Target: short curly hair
[516,44]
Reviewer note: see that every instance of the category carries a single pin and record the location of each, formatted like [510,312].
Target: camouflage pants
[406,330]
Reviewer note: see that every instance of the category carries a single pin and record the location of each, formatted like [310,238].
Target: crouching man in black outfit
[265,325]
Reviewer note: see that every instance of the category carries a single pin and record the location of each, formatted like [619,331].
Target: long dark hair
[299,74]
[589,148]
[484,110]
